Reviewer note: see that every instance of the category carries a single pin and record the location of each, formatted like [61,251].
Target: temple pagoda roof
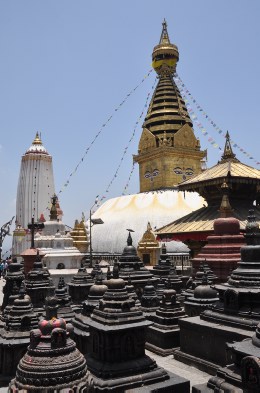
[220,171]
[199,224]
[229,167]
[230,176]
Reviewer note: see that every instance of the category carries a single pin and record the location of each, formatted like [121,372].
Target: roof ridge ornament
[228,152]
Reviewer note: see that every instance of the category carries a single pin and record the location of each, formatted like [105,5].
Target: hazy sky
[66,65]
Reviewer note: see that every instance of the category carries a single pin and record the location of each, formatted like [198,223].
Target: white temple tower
[34,192]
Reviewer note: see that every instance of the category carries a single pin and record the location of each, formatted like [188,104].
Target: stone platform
[203,343]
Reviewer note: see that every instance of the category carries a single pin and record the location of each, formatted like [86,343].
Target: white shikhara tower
[34,192]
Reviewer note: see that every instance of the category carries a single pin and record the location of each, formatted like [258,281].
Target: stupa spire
[164,36]
[167,134]
[37,140]
[165,54]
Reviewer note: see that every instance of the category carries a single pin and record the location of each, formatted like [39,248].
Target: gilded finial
[164,36]
[228,152]
[37,139]
[165,55]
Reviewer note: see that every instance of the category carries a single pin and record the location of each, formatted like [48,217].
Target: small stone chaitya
[52,362]
[116,359]
[130,265]
[164,335]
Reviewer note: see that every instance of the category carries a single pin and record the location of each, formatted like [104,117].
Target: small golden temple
[80,236]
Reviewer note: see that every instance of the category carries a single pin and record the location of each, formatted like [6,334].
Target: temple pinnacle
[228,152]
[164,36]
[37,139]
[165,55]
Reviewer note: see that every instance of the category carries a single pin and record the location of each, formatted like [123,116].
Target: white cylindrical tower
[35,189]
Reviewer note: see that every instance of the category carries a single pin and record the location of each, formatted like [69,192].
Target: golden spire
[164,36]
[37,139]
[165,55]
[228,152]
[167,140]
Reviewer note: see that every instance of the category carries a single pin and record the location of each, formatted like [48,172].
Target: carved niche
[185,138]
[147,141]
[58,338]
[250,366]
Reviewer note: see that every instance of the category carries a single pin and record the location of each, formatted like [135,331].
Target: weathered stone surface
[164,335]
[116,358]
[15,335]
[52,362]
[242,375]
[79,288]
[14,276]
[130,265]
[38,285]
[202,298]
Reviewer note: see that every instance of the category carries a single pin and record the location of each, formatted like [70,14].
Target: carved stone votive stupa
[116,359]
[52,362]
[164,335]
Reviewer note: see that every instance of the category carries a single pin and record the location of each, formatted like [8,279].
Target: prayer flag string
[101,129]
[128,180]
[105,194]
[185,94]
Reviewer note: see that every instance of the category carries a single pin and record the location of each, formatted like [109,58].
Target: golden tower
[168,151]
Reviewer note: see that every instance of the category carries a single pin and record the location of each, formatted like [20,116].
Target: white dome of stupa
[134,212]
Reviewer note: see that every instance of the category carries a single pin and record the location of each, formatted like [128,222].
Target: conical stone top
[149,299]
[14,276]
[64,301]
[22,316]
[131,292]
[38,284]
[79,287]
[117,343]
[96,293]
[160,288]
[164,264]
[170,309]
[130,265]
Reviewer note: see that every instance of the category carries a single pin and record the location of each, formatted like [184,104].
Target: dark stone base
[142,383]
[162,341]
[207,340]
[201,364]
[228,379]
[175,384]
[158,350]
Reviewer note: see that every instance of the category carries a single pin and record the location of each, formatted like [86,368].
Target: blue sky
[66,65]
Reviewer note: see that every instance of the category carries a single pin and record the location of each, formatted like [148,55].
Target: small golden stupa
[80,236]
